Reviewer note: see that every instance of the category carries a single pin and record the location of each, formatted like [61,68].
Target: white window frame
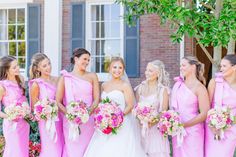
[14,2]
[101,76]
[20,6]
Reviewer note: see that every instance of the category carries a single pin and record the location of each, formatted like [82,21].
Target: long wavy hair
[5,63]
[199,68]
[163,80]
[35,60]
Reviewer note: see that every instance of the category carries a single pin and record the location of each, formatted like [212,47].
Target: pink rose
[39,108]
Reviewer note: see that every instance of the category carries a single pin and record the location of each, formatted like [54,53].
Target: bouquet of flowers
[220,119]
[47,110]
[108,117]
[146,113]
[17,111]
[77,114]
[170,124]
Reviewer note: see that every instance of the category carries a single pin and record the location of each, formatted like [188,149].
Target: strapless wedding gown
[127,141]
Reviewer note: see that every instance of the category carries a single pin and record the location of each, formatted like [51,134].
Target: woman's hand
[91,109]
[215,131]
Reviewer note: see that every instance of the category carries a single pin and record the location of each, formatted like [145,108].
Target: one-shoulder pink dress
[50,147]
[224,95]
[16,140]
[77,89]
[184,101]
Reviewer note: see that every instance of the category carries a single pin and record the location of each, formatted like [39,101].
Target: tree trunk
[217,52]
[231,46]
[217,57]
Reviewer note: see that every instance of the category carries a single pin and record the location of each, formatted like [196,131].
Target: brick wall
[189,46]
[155,44]
[66,32]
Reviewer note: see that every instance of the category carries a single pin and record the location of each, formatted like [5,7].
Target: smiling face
[227,68]
[82,62]
[45,67]
[116,69]
[151,72]
[186,68]
[14,69]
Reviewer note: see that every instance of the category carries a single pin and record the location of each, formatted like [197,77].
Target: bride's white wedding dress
[127,141]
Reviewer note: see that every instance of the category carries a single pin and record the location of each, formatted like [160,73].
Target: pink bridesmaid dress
[16,140]
[224,95]
[77,89]
[185,102]
[49,146]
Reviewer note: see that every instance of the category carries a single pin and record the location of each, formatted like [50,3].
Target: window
[104,34]
[13,34]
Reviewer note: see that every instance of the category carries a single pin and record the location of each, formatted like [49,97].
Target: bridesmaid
[74,86]
[222,91]
[43,85]
[190,99]
[155,91]
[12,91]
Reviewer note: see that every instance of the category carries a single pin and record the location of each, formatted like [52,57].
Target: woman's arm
[2,92]
[137,92]
[211,89]
[165,102]
[60,94]
[34,94]
[129,98]
[96,93]
[204,106]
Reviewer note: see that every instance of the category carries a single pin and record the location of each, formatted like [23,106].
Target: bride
[127,141]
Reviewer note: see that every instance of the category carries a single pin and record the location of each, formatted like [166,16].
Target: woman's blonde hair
[117,59]
[199,68]
[163,80]
[35,60]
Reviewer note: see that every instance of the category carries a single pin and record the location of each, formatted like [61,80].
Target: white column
[53,33]
[182,45]
[181,54]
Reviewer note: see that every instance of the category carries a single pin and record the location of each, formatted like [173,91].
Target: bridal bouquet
[17,111]
[220,119]
[47,110]
[77,114]
[170,124]
[146,113]
[108,117]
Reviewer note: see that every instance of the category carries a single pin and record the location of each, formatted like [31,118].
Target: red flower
[34,149]
[108,130]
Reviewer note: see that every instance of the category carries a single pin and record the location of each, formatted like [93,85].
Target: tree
[210,22]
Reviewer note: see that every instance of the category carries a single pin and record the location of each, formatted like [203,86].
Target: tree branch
[231,46]
[207,6]
[207,53]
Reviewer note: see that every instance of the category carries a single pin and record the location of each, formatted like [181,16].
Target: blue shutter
[131,49]
[78,25]
[33,30]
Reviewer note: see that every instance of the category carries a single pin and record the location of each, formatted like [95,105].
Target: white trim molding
[14,2]
[53,33]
